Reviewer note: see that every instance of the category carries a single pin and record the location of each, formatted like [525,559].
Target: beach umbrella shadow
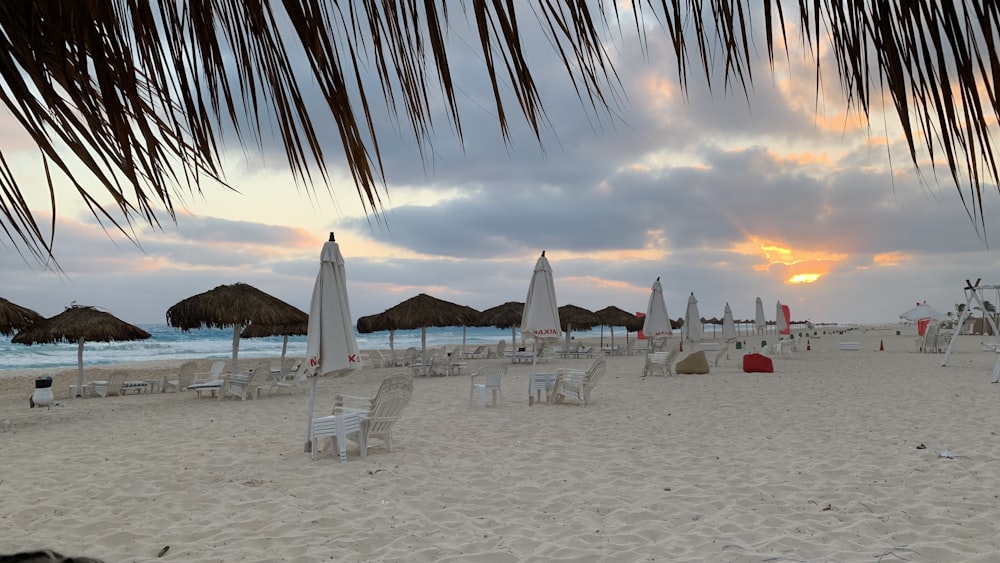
[79,323]
[238,305]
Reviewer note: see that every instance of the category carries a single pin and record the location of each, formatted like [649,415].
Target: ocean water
[168,343]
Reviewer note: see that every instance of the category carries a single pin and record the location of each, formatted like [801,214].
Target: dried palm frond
[138,94]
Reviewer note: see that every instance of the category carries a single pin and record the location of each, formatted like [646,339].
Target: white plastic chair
[487,380]
[214,375]
[184,377]
[577,384]
[379,413]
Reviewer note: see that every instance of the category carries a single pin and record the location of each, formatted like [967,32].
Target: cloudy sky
[785,196]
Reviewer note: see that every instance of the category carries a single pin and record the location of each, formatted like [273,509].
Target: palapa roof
[419,312]
[578,317]
[503,316]
[80,322]
[14,317]
[372,323]
[614,316]
[238,304]
[257,330]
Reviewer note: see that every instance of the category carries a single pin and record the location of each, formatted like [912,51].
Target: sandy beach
[819,461]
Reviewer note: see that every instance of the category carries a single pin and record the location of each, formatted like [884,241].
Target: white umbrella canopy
[692,320]
[780,322]
[760,322]
[656,323]
[541,316]
[923,311]
[331,348]
[728,325]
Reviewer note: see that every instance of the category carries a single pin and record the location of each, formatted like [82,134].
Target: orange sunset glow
[792,265]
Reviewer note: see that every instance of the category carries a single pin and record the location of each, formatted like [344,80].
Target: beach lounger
[249,384]
[184,377]
[661,362]
[575,384]
[378,413]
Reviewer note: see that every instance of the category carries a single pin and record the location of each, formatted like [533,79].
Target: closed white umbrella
[541,315]
[692,320]
[656,323]
[330,345]
[728,325]
[760,322]
[780,321]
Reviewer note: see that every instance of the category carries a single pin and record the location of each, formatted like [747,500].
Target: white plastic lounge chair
[487,381]
[498,352]
[784,347]
[248,384]
[117,384]
[440,365]
[378,360]
[411,356]
[211,387]
[356,403]
[184,377]
[214,375]
[480,352]
[378,413]
[577,384]
[291,380]
[661,362]
[723,351]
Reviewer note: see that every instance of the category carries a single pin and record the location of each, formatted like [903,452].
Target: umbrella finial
[657,278]
[331,237]
[543,254]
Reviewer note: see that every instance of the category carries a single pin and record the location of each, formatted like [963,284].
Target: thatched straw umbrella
[507,315]
[376,323]
[421,312]
[613,316]
[256,330]
[572,316]
[15,317]
[79,324]
[238,305]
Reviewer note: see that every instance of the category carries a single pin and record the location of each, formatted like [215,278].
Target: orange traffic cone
[808,345]
[881,346]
